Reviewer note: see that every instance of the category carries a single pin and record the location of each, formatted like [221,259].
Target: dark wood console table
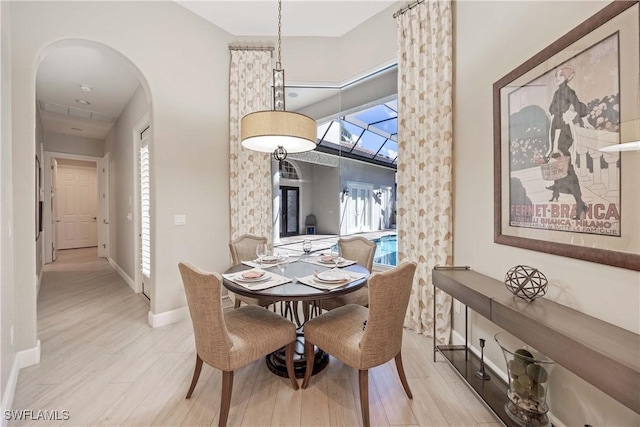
[605,355]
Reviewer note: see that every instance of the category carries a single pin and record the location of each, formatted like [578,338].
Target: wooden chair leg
[225,398]
[289,350]
[236,304]
[196,375]
[310,355]
[403,377]
[364,395]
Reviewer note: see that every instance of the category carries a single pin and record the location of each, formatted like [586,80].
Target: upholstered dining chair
[244,249]
[362,251]
[365,337]
[228,341]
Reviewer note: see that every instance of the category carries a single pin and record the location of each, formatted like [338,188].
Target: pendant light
[278,131]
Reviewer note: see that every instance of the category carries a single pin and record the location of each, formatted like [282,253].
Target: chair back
[389,294]
[358,249]
[244,248]
[203,292]
[310,220]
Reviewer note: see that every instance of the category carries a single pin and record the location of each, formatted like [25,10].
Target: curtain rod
[233,47]
[407,8]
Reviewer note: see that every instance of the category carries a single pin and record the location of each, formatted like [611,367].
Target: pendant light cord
[279,64]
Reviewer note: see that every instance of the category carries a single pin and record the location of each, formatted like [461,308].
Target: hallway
[105,365]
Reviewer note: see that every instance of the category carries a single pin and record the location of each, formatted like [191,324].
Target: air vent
[75,112]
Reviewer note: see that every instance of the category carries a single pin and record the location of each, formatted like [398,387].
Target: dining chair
[228,341]
[364,337]
[362,251]
[244,249]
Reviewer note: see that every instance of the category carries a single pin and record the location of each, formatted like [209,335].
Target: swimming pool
[386,250]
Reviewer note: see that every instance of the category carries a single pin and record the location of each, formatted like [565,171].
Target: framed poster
[554,190]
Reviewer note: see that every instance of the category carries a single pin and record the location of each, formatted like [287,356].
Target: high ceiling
[328,18]
[63,71]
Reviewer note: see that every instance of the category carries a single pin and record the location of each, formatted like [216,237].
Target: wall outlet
[179,220]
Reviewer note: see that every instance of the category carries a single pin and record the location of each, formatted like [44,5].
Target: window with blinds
[145,206]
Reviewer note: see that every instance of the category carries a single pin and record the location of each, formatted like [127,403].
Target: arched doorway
[90,103]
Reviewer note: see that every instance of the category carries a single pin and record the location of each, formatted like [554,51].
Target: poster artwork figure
[566,111]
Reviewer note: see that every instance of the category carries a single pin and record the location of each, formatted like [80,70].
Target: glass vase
[528,372]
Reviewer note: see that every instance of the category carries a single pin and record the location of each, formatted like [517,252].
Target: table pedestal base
[276,362]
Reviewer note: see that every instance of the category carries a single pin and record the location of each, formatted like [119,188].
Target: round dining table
[287,298]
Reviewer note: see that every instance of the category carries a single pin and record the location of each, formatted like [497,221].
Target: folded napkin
[316,259]
[312,281]
[271,280]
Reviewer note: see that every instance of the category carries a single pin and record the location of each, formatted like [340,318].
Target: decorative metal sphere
[526,282]
[280,153]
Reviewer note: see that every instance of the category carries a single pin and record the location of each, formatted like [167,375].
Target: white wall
[72,144]
[40,236]
[491,39]
[7,289]
[120,143]
[185,62]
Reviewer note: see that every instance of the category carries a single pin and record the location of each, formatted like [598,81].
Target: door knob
[105,221]
[95,218]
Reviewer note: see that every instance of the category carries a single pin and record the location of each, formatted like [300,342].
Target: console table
[604,355]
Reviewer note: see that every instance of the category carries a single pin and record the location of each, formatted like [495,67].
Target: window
[145,206]
[370,134]
[288,170]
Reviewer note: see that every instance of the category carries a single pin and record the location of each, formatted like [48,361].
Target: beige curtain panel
[424,211]
[249,171]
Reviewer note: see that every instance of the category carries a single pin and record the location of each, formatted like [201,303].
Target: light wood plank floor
[103,363]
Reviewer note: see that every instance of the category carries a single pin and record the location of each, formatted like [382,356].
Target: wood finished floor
[104,364]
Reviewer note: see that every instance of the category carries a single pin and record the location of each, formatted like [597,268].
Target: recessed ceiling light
[76,129]
[83,102]
[293,94]
[86,88]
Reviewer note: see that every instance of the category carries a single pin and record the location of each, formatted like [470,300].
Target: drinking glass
[306,247]
[335,255]
[261,252]
[283,260]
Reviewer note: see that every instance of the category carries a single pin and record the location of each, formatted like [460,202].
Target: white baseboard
[168,317]
[23,359]
[458,339]
[122,274]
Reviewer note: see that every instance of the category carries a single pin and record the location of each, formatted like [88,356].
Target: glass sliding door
[289,211]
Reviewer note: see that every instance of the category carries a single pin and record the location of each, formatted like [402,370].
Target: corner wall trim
[122,274]
[23,359]
[168,317]
[39,282]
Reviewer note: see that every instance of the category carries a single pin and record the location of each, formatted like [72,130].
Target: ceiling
[327,18]
[63,71]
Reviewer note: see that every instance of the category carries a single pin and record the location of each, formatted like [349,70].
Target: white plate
[330,262]
[262,278]
[333,276]
[270,259]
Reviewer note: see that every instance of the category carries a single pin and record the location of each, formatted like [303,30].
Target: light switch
[179,220]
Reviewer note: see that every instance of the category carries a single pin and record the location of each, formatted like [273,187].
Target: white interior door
[54,208]
[77,204]
[103,218]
